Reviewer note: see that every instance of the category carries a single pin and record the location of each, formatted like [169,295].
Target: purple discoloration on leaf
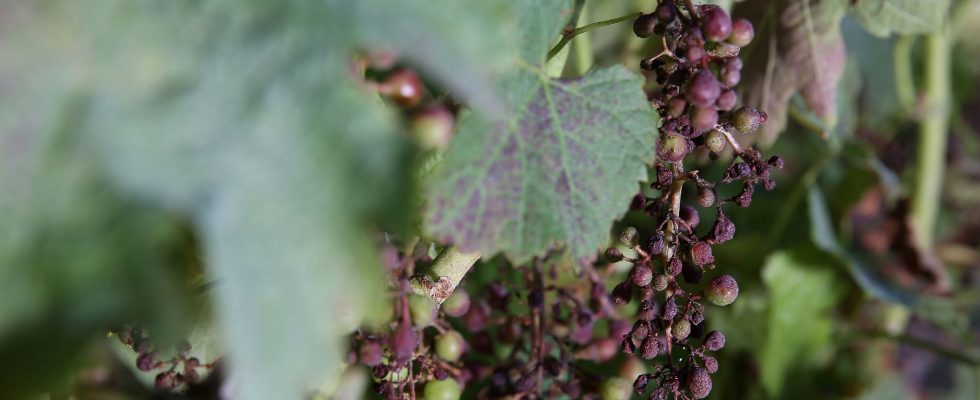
[558,173]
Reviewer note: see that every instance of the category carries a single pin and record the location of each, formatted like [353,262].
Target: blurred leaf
[239,114]
[798,48]
[560,171]
[802,291]
[824,236]
[884,17]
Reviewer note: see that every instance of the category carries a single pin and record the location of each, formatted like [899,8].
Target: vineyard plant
[476,199]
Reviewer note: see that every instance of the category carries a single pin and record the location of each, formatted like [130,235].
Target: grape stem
[448,269]
[569,34]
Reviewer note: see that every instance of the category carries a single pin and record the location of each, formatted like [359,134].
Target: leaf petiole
[567,36]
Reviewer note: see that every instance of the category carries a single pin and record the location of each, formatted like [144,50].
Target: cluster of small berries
[170,376]
[696,70]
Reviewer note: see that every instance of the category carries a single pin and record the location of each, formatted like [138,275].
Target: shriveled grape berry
[701,253]
[742,32]
[666,11]
[370,354]
[698,383]
[622,293]
[714,341]
[165,381]
[146,361]
[690,216]
[641,275]
[710,364]
[722,290]
[747,119]
[643,26]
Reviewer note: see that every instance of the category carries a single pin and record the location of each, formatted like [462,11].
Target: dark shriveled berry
[674,266]
[722,291]
[742,32]
[698,383]
[641,275]
[689,215]
[165,381]
[146,361]
[614,255]
[656,244]
[703,89]
[370,354]
[666,11]
[723,230]
[714,341]
[711,364]
[644,25]
[622,293]
[649,348]
[701,253]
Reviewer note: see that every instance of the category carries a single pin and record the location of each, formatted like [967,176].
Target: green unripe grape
[681,329]
[449,346]
[722,291]
[715,141]
[446,389]
[616,388]
[423,310]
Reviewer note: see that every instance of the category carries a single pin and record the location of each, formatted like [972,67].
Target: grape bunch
[177,369]
[696,70]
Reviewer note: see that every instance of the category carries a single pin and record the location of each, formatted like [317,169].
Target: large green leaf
[884,17]
[240,115]
[558,171]
[803,288]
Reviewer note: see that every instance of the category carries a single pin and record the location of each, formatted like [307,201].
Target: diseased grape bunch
[696,71]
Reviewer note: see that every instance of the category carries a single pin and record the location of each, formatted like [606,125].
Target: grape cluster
[176,371]
[696,71]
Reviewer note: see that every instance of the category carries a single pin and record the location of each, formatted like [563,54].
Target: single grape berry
[701,253]
[715,142]
[704,118]
[457,304]
[403,342]
[703,89]
[644,25]
[748,119]
[616,388]
[694,53]
[165,381]
[711,364]
[698,383]
[146,361]
[477,317]
[614,255]
[666,11]
[714,341]
[706,196]
[446,389]
[681,329]
[660,282]
[641,275]
[715,23]
[432,127]
[724,229]
[689,215]
[622,293]
[423,309]
[370,354]
[742,32]
[674,266]
[656,244]
[672,147]
[676,107]
[722,291]
[649,348]
[726,100]
[629,236]
[731,77]
[449,346]
[403,87]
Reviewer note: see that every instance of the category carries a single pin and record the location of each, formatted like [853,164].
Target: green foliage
[558,171]
[885,17]
[802,291]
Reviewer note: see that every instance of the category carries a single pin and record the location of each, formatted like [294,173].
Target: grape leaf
[802,291]
[559,170]
[884,17]
[241,116]
[798,48]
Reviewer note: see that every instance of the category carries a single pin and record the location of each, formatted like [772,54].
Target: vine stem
[932,139]
[568,35]
[448,269]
